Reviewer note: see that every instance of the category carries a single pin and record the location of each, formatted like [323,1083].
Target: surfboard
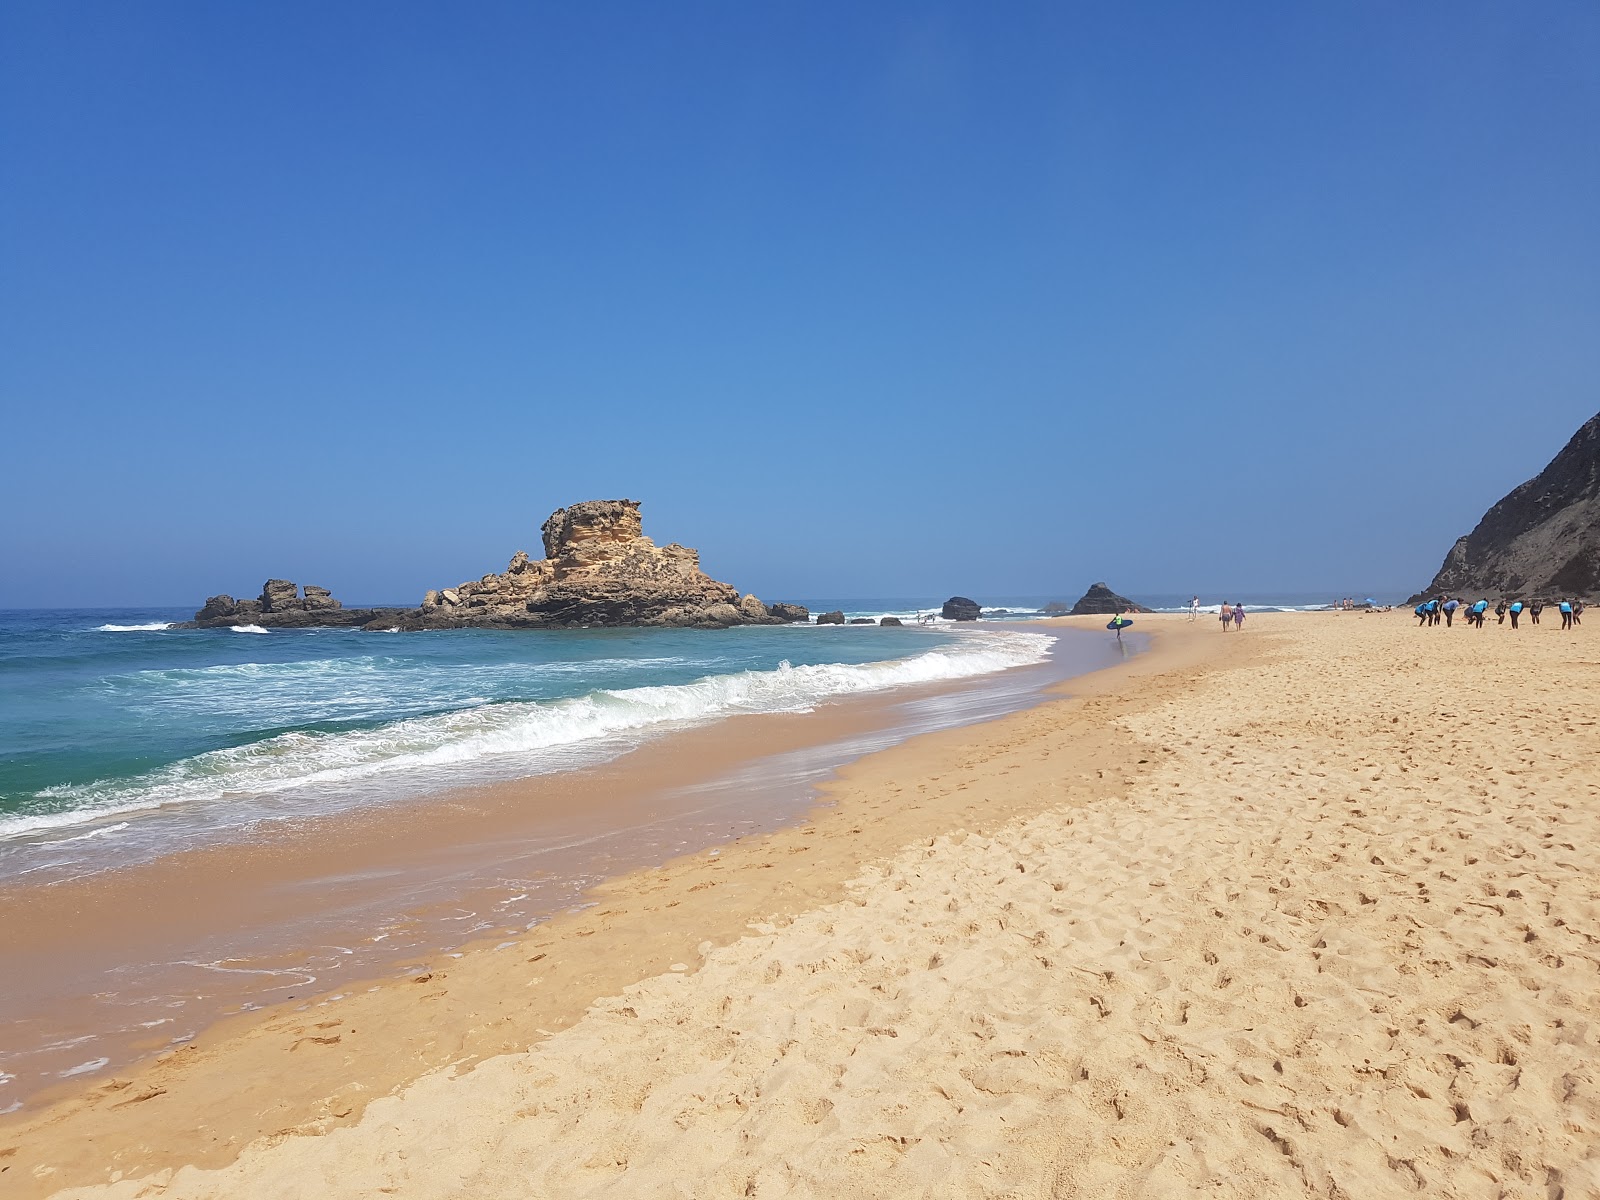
[1116,624]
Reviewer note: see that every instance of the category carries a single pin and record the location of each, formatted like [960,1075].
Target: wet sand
[1307,910]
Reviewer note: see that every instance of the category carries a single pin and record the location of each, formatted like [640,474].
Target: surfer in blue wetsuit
[1566,614]
[1450,607]
[1433,611]
[1516,611]
[1422,615]
[1478,609]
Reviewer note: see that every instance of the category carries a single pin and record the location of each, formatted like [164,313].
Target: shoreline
[674,761]
[1308,912]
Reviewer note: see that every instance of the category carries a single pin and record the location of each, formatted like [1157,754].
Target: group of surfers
[1431,612]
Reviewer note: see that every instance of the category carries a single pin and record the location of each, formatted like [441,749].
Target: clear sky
[884,299]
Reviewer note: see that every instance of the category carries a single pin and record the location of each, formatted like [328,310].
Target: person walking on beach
[1194,607]
[1121,619]
[1566,614]
[1226,613]
[1516,611]
[1238,616]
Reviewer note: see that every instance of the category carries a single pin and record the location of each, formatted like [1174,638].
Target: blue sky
[890,299]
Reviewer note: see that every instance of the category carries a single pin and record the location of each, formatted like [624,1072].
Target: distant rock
[1057,608]
[789,612]
[891,621]
[599,570]
[862,621]
[1540,540]
[830,618]
[959,608]
[281,606]
[1100,600]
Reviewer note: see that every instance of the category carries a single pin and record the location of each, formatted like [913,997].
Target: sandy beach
[1310,909]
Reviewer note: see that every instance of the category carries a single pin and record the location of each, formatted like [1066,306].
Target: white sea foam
[247,629]
[86,1068]
[154,625]
[519,737]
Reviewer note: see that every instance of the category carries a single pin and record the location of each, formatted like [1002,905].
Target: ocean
[108,716]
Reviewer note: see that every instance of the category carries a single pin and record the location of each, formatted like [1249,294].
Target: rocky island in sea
[599,570]
[1542,539]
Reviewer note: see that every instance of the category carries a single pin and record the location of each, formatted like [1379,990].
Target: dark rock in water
[281,607]
[790,612]
[891,621]
[1100,600]
[1542,539]
[830,618]
[997,612]
[862,621]
[1057,608]
[959,608]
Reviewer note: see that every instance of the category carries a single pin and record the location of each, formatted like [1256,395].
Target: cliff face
[1543,539]
[599,569]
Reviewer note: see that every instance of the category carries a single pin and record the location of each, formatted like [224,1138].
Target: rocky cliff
[599,569]
[1543,539]
[1100,600]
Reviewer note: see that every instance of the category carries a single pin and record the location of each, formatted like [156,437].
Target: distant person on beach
[1194,607]
[1450,607]
[1566,614]
[1422,615]
[1238,616]
[1226,613]
[1516,611]
[1500,611]
[1534,610]
[1433,611]
[1478,609]
[1121,619]
[1577,612]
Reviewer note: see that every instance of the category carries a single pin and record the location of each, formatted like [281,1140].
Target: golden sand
[1317,916]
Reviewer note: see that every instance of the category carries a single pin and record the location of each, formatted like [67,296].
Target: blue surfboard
[1116,624]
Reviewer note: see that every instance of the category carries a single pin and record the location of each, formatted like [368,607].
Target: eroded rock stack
[599,569]
[282,606]
[1100,600]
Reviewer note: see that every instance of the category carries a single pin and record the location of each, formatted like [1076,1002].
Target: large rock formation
[281,606]
[959,608]
[1101,601]
[1543,539]
[598,570]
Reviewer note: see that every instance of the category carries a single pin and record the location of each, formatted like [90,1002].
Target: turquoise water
[108,715]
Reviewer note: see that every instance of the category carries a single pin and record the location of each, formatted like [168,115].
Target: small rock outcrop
[836,617]
[959,608]
[281,606]
[1100,600]
[1541,539]
[891,621]
[599,570]
[1057,608]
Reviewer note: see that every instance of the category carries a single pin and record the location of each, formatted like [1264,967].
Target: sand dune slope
[1341,938]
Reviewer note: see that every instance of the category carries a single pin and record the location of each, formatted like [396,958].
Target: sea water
[122,736]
